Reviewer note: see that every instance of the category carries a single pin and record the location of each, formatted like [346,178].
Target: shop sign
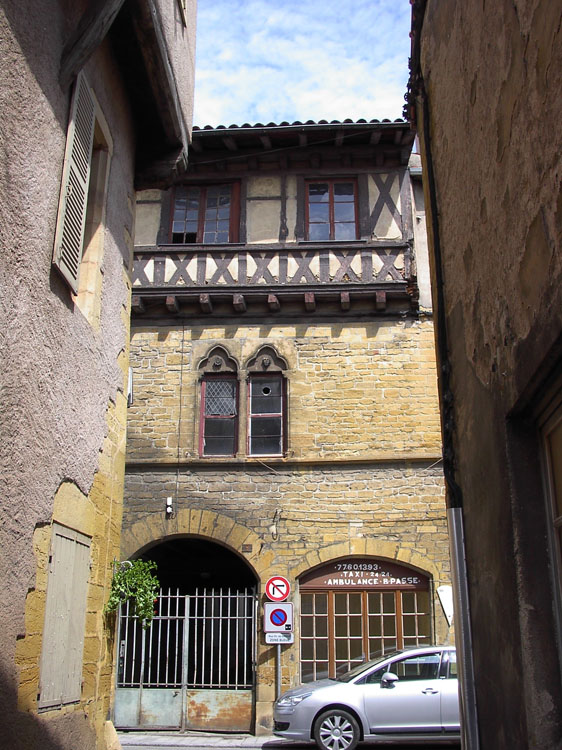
[363,573]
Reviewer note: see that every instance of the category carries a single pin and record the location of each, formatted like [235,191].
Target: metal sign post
[278,686]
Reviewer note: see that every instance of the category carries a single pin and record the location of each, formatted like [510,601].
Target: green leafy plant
[134,580]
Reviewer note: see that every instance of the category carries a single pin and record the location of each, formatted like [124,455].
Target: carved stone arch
[366,548]
[204,524]
[266,359]
[218,360]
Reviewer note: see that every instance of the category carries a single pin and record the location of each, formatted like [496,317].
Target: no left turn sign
[277,589]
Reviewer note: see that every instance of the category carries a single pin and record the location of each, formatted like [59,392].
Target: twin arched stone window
[263,404]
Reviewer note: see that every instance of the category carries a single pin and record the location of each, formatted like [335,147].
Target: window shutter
[65,613]
[71,217]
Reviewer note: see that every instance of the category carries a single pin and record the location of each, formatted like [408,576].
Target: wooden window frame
[398,613]
[234,216]
[204,417]
[253,377]
[331,210]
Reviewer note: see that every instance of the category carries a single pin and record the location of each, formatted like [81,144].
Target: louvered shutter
[75,179]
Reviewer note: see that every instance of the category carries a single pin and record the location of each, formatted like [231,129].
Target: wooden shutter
[65,613]
[71,217]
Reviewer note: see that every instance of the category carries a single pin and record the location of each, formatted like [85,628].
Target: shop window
[206,214]
[218,433]
[79,234]
[341,628]
[65,615]
[331,210]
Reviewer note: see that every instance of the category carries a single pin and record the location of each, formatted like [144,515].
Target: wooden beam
[266,142]
[339,138]
[380,301]
[273,302]
[398,137]
[205,303]
[89,34]
[239,303]
[309,301]
[137,305]
[303,139]
[345,302]
[172,303]
[197,145]
[375,137]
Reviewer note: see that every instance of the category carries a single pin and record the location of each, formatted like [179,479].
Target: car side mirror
[389,679]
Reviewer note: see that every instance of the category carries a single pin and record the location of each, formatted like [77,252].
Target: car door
[450,714]
[410,704]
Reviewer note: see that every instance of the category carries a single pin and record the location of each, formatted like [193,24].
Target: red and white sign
[277,618]
[277,589]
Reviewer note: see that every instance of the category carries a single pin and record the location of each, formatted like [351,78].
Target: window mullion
[201,214]
[332,212]
[331,636]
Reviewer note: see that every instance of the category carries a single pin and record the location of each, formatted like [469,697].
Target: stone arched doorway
[194,668]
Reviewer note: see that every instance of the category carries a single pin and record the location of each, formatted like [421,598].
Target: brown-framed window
[331,210]
[206,214]
[218,434]
[341,629]
[266,414]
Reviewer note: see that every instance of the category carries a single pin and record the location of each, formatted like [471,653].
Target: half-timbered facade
[283,418]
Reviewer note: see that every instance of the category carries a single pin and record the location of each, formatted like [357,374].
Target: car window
[453,665]
[375,677]
[418,667]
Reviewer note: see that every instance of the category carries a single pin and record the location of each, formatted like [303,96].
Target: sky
[285,60]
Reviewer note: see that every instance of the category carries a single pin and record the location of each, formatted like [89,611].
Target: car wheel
[336,730]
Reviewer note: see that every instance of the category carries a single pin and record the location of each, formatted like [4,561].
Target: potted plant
[134,580]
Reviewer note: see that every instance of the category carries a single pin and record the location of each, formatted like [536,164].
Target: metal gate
[193,668]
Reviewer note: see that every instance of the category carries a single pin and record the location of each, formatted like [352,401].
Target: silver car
[407,696]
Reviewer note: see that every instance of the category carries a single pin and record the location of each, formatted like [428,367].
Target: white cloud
[330,59]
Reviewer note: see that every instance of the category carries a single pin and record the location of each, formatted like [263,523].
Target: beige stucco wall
[63,379]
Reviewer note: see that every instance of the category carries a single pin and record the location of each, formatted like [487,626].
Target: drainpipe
[463,632]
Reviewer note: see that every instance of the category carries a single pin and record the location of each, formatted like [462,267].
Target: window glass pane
[345,231]
[340,603]
[319,232]
[389,625]
[266,396]
[318,191]
[388,603]
[219,437]
[307,650]
[375,626]
[453,665]
[409,625]
[322,671]
[374,603]
[307,672]
[341,650]
[319,212]
[322,650]
[321,603]
[307,627]
[341,627]
[220,397]
[266,427]
[355,603]
[355,626]
[408,602]
[356,650]
[306,604]
[265,446]
[343,191]
[344,212]
[322,626]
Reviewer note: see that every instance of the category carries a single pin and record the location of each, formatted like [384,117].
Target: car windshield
[356,671]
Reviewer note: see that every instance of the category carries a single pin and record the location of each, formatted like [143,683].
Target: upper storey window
[206,214]
[331,210]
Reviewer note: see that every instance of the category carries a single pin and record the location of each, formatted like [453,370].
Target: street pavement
[214,741]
